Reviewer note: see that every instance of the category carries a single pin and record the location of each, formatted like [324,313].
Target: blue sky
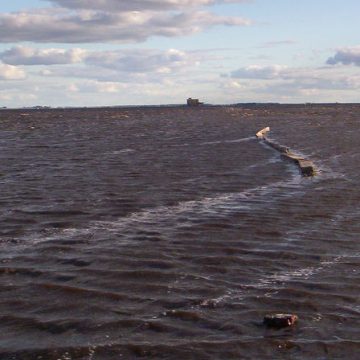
[81,53]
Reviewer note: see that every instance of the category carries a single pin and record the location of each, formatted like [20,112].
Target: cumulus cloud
[102,65]
[292,82]
[21,55]
[138,5]
[309,86]
[10,72]
[346,56]
[93,86]
[259,72]
[109,64]
[86,25]
[138,61]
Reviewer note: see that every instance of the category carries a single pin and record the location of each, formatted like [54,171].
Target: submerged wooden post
[306,167]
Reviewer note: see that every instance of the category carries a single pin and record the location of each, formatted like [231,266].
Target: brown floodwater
[169,232]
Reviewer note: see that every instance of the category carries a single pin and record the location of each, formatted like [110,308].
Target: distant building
[193,102]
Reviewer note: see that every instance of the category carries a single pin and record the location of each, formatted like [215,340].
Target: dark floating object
[306,167]
[279,321]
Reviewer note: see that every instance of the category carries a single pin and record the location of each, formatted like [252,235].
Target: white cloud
[9,72]
[73,88]
[21,55]
[93,86]
[119,65]
[259,72]
[91,26]
[138,5]
[311,83]
[292,83]
[17,97]
[346,56]
[141,61]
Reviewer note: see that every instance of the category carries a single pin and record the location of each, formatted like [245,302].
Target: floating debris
[279,321]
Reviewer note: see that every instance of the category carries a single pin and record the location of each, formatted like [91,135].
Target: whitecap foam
[227,141]
[123,151]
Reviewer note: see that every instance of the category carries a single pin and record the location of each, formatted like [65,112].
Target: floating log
[306,167]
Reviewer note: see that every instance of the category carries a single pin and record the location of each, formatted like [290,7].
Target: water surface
[168,233]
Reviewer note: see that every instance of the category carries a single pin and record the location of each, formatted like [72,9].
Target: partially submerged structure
[306,167]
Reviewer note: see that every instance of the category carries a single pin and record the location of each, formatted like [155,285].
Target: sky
[150,52]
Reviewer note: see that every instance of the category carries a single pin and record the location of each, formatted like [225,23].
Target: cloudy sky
[118,52]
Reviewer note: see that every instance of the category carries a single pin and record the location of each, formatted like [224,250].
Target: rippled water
[168,233]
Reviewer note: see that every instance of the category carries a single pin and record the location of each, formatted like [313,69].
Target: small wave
[123,151]
[227,141]
[304,273]
[272,283]
[217,142]
[220,205]
[167,218]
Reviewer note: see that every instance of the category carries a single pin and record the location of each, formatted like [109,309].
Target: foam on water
[249,138]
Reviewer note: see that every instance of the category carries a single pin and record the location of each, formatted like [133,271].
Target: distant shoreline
[249,105]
